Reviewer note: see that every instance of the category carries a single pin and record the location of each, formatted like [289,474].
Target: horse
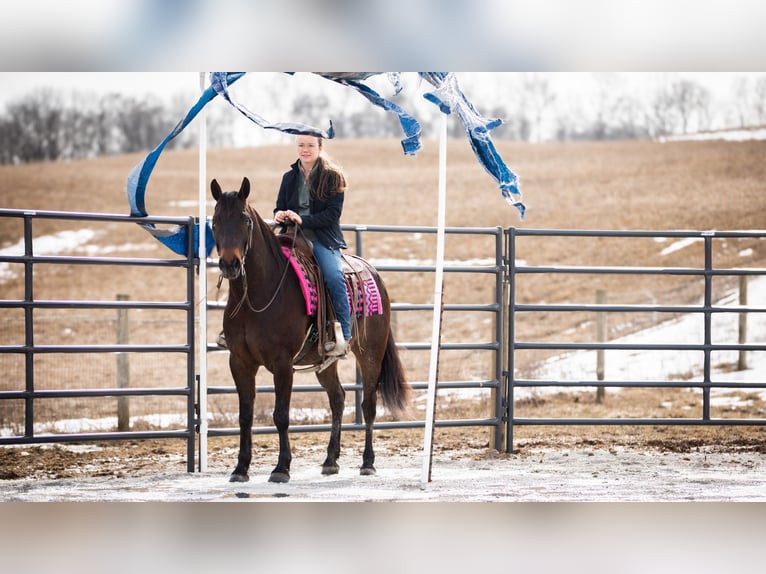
[265,324]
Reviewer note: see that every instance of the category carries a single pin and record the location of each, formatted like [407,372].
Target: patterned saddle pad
[361,289]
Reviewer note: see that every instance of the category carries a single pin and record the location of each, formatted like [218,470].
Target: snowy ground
[539,475]
[658,365]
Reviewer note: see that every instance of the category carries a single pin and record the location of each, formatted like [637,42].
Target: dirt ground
[547,464]
[155,471]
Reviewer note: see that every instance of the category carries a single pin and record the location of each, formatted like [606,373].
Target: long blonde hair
[329,176]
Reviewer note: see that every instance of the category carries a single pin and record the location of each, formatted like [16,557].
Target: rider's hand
[287,215]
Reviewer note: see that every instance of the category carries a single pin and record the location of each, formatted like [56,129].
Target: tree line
[48,125]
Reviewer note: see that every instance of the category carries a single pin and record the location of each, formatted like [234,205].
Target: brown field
[615,185]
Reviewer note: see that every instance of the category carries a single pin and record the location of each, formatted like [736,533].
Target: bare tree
[536,103]
[759,101]
[9,135]
[742,102]
[661,116]
[311,109]
[690,99]
[36,120]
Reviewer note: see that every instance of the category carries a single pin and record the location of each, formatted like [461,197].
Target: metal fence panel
[706,271]
[38,389]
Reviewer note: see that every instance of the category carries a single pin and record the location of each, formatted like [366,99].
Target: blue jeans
[329,262]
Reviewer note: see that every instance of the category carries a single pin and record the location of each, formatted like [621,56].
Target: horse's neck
[264,258]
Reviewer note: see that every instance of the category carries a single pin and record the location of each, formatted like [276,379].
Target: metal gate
[496,388]
[489,387]
[25,388]
[28,391]
[705,270]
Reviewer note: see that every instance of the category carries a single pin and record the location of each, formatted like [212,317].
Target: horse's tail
[394,388]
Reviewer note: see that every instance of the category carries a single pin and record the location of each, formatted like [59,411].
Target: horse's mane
[262,228]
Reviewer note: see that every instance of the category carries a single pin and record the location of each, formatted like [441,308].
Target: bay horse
[266,324]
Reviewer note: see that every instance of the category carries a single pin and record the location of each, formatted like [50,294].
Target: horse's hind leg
[337,397]
[370,368]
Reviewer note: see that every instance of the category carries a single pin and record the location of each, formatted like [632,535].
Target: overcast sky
[167,84]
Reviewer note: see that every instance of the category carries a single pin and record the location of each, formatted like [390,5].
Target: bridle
[245,298]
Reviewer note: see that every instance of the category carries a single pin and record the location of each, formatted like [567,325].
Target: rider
[311,195]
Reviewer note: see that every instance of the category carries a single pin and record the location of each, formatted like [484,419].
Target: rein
[245,296]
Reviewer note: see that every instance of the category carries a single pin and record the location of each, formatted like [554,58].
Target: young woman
[311,195]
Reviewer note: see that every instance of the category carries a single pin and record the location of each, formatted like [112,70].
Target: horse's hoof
[330,469]
[367,471]
[239,478]
[280,477]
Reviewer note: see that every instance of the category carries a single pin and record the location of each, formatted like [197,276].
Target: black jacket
[324,217]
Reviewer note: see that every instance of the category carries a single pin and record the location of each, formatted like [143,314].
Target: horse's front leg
[283,387]
[244,379]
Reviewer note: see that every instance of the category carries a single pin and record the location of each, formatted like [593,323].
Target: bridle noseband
[245,297]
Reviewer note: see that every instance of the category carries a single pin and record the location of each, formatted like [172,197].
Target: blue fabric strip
[450,98]
[219,82]
[411,126]
[175,238]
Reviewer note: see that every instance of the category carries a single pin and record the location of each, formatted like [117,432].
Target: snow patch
[69,241]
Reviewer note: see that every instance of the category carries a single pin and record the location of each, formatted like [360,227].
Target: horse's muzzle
[230,268]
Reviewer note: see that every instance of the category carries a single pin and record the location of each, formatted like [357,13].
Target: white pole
[202,254]
[436,330]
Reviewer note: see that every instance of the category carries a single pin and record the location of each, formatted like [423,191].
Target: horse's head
[232,228]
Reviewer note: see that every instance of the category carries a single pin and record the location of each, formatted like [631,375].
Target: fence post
[123,368]
[600,338]
[493,435]
[742,339]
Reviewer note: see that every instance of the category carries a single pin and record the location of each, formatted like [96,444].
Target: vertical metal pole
[496,439]
[29,338]
[708,235]
[202,285]
[742,327]
[123,366]
[601,335]
[438,284]
[511,320]
[358,394]
[191,404]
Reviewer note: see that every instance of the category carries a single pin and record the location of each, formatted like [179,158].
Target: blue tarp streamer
[175,238]
[220,83]
[448,97]
[411,126]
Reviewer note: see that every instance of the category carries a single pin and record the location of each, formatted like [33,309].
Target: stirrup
[336,348]
[221,341]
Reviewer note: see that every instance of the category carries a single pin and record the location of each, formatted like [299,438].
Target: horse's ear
[216,189]
[244,189]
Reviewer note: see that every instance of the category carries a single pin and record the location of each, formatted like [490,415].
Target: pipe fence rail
[499,338]
[707,272]
[32,351]
[495,419]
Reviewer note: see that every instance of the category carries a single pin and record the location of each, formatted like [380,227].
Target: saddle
[318,303]
[361,287]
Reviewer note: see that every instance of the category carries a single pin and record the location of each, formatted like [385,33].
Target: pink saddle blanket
[364,303]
